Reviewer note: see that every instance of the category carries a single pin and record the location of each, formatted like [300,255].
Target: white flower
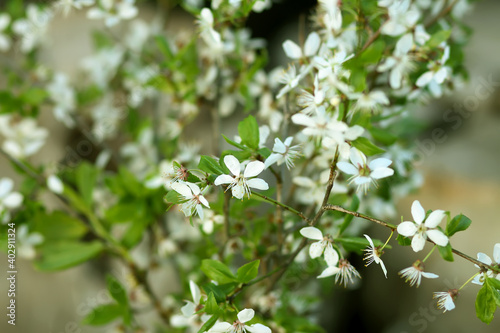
[323,244]
[192,193]
[413,275]
[22,136]
[27,242]
[445,299]
[112,13]
[283,152]
[66,5]
[436,75]
[344,273]
[34,27]
[239,325]
[373,254]
[420,230]
[209,220]
[371,101]
[63,95]
[8,199]
[401,18]
[479,279]
[189,317]
[310,102]
[291,79]
[311,47]
[364,174]
[239,182]
[400,63]
[4,38]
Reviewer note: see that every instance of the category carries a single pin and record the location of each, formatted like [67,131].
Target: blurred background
[461,174]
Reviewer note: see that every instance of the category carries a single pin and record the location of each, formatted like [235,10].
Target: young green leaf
[487,300]
[248,272]
[249,132]
[210,165]
[60,255]
[116,290]
[86,176]
[209,323]
[103,314]
[366,146]
[458,223]
[211,306]
[217,271]
[445,252]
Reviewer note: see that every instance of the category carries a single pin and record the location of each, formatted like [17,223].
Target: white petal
[429,275]
[220,328]
[348,168]
[189,309]
[223,179]
[316,249]
[379,163]
[279,147]
[418,242]
[55,184]
[238,191]
[331,256]
[203,201]
[395,78]
[418,212]
[448,304]
[258,328]
[357,157]
[246,315]
[311,233]
[311,45]
[195,292]
[381,173]
[484,258]
[434,218]
[292,50]
[6,185]
[404,44]
[13,200]
[232,164]
[369,240]
[496,252]
[253,169]
[425,78]
[272,159]
[354,132]
[258,184]
[407,229]
[194,188]
[383,268]
[183,189]
[329,271]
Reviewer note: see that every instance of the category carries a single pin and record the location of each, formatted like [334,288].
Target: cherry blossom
[239,325]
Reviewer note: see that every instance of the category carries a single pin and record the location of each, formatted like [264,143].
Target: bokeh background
[461,174]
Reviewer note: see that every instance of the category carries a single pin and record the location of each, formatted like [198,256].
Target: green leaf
[126,211]
[248,272]
[373,53]
[58,226]
[34,96]
[382,135]
[486,302]
[240,155]
[366,146]
[116,290]
[209,323]
[103,314]
[211,306]
[458,223]
[249,132]
[348,218]
[210,165]
[403,241]
[218,292]
[445,252]
[438,38]
[60,255]
[217,271]
[234,143]
[134,233]
[86,176]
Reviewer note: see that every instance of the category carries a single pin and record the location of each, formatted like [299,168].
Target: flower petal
[347,168]
[496,252]
[292,50]
[429,275]
[253,169]
[437,237]
[383,268]
[407,229]
[258,328]
[189,309]
[223,179]
[6,185]
[357,157]
[220,328]
[238,191]
[381,173]
[258,184]
[316,249]
[311,45]
[273,158]
[379,163]
[311,233]
[484,258]
[13,200]
[434,218]
[182,189]
[331,256]
[418,212]
[246,315]
[329,271]
[232,164]
[418,242]
[195,292]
